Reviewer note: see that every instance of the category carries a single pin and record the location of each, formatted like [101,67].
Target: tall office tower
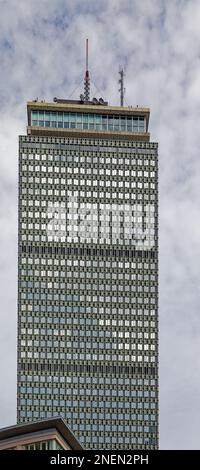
[88,272]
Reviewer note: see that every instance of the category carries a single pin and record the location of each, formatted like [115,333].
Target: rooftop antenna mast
[121,88]
[87,77]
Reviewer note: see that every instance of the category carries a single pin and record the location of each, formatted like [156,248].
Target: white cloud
[42,54]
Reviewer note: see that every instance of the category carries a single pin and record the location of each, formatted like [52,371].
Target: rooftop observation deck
[73,118]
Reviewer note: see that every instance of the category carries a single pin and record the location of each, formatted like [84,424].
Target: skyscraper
[88,272]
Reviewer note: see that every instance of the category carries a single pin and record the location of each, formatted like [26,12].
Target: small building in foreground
[47,434]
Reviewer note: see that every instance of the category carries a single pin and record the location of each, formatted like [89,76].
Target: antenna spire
[87,77]
[121,88]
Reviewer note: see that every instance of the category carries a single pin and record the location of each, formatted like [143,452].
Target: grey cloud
[42,54]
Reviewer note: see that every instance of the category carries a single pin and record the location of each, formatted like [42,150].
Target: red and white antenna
[121,86]
[87,77]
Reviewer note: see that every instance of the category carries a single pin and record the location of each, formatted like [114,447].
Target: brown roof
[46,424]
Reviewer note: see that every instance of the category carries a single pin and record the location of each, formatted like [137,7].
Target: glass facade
[88,306]
[44,445]
[106,122]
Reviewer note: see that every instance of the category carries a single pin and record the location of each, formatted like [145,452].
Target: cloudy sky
[158,42]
